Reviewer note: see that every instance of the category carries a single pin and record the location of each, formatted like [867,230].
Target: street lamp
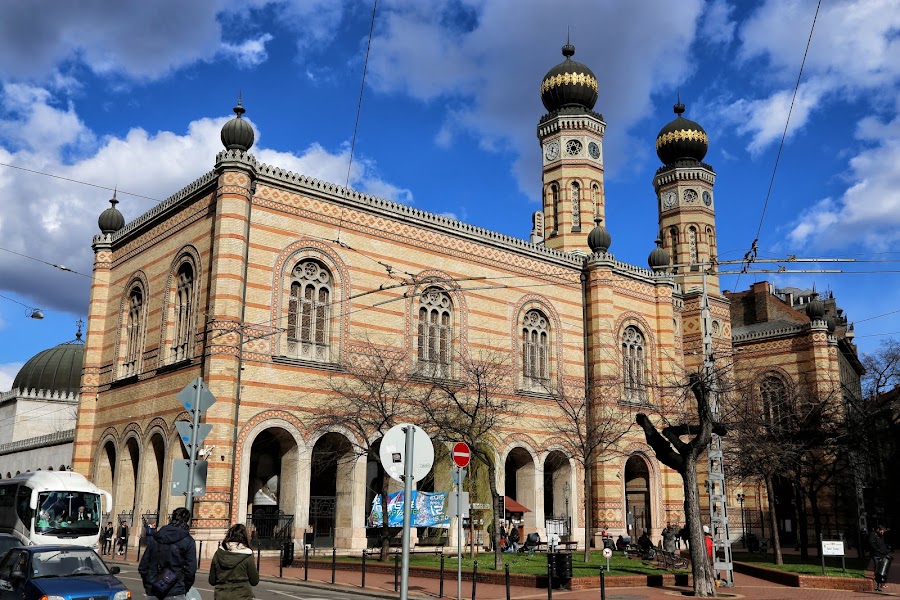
[740,498]
[566,491]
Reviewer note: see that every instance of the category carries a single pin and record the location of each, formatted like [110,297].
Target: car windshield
[7,542]
[75,562]
[68,513]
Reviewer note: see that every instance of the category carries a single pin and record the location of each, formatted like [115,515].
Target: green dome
[55,370]
[237,134]
[599,239]
[111,220]
[659,257]
[569,84]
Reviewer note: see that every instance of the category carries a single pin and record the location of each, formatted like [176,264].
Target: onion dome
[569,83]
[815,309]
[56,370]
[599,239]
[659,257]
[832,322]
[111,220]
[237,134]
[681,139]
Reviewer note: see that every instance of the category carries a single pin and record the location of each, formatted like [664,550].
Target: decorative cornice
[51,439]
[684,171]
[607,259]
[558,121]
[33,394]
[786,331]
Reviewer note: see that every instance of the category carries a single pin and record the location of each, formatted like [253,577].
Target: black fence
[270,531]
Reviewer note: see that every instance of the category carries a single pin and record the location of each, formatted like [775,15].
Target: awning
[514,507]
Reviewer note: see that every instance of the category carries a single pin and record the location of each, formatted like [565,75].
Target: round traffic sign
[461,454]
[607,552]
[393,452]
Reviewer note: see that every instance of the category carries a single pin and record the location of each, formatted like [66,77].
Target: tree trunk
[588,506]
[385,528]
[773,521]
[817,516]
[702,569]
[498,507]
[802,533]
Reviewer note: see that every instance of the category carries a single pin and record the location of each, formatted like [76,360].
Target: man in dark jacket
[172,547]
[881,554]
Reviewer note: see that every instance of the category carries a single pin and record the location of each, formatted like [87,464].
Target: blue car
[58,572]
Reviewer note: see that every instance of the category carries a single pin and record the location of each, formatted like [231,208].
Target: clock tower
[571,138]
[686,202]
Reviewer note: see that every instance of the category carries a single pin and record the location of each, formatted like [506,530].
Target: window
[535,351]
[134,332]
[554,203]
[773,394]
[576,206]
[711,241]
[633,365]
[435,333]
[309,311]
[595,199]
[673,240]
[692,242]
[182,340]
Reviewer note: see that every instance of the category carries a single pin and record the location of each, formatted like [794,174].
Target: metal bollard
[474,577]
[281,561]
[506,568]
[333,563]
[125,556]
[396,573]
[441,592]
[602,584]
[363,584]
[549,577]
[199,553]
[258,554]
[305,562]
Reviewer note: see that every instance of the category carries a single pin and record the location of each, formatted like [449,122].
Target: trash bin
[287,554]
[752,542]
[560,566]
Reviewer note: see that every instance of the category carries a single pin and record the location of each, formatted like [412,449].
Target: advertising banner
[427,510]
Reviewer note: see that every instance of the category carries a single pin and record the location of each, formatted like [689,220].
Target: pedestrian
[169,565]
[122,537]
[668,535]
[504,541]
[881,554]
[513,538]
[108,533]
[678,539]
[685,535]
[233,570]
[709,543]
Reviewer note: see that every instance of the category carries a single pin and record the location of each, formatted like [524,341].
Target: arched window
[692,244]
[673,240]
[309,311]
[554,204]
[773,394]
[711,240]
[182,340]
[134,332]
[595,199]
[576,206]
[435,333]
[633,365]
[535,351]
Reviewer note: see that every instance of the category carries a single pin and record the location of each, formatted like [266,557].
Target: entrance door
[637,496]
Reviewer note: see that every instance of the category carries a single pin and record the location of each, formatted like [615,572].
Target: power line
[78,181]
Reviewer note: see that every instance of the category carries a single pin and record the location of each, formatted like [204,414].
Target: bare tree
[591,428]
[372,396]
[682,456]
[472,407]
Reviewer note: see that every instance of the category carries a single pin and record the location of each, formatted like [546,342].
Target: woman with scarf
[233,570]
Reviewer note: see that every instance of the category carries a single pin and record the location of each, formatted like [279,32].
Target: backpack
[166,577]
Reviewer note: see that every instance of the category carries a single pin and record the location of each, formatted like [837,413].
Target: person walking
[669,536]
[108,533]
[881,554]
[233,570]
[122,538]
[169,565]
[513,538]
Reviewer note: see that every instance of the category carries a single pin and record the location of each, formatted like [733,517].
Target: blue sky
[133,95]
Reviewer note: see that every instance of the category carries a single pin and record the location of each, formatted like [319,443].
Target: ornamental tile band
[569,79]
[681,135]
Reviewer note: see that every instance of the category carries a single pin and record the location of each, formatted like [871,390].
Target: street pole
[192,459]
[740,498]
[458,534]
[407,512]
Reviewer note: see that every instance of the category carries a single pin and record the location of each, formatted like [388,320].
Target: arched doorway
[637,496]
[106,471]
[126,484]
[272,490]
[330,488]
[558,495]
[519,485]
[151,478]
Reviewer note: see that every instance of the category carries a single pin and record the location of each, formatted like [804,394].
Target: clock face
[573,147]
[669,199]
[690,196]
[552,151]
[594,150]
[707,198]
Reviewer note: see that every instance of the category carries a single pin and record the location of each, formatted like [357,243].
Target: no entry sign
[461,454]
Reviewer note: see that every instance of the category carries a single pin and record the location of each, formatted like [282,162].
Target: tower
[571,138]
[684,192]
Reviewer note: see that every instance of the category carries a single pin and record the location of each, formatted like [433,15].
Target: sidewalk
[382,585]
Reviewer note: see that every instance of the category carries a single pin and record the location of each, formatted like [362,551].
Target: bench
[670,561]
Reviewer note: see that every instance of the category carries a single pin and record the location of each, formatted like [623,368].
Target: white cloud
[249,53]
[8,372]
[485,59]
[717,25]
[53,220]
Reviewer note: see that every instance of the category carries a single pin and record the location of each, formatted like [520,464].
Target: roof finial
[80,324]
[239,109]
[568,50]
[679,107]
[113,200]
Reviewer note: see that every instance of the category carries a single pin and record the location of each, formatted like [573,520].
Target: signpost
[197,398]
[406,455]
[607,554]
[461,457]
[833,548]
